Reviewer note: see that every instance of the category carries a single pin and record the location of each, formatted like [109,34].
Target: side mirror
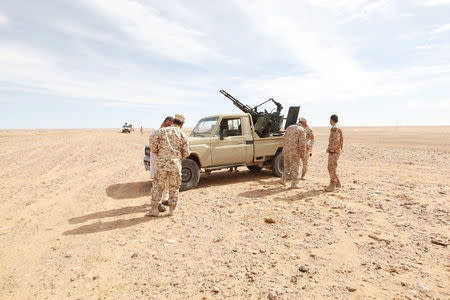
[223,133]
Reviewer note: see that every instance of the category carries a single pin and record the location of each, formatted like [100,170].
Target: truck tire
[190,174]
[277,164]
[254,169]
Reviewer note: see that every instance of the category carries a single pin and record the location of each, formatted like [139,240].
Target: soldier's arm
[342,139]
[154,144]
[185,151]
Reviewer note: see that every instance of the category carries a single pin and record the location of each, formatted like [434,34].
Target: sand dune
[73,226]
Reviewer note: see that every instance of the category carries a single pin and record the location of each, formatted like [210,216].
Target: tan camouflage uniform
[335,145]
[309,145]
[171,146]
[293,150]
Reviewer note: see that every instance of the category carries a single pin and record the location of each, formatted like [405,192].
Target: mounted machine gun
[265,123]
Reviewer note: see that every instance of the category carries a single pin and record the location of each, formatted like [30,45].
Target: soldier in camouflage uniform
[293,151]
[309,135]
[335,145]
[171,146]
[166,123]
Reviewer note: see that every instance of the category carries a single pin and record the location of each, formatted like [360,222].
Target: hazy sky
[99,63]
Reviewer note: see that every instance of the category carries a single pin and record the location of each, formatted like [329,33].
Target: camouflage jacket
[336,141]
[309,139]
[171,146]
[294,141]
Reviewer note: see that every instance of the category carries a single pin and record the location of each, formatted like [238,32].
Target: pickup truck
[227,141]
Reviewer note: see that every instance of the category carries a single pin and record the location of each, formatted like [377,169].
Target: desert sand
[72,222]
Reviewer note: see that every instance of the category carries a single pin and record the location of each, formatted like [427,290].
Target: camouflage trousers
[332,166]
[291,167]
[305,159]
[161,181]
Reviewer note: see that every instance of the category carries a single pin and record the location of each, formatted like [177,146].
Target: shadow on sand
[258,193]
[111,225]
[129,190]
[301,195]
[224,177]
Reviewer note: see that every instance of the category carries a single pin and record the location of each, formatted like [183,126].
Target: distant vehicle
[127,128]
[252,139]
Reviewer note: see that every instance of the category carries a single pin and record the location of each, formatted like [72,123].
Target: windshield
[204,127]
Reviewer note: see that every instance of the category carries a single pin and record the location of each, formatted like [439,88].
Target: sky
[100,63]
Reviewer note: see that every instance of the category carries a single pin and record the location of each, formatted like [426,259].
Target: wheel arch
[195,158]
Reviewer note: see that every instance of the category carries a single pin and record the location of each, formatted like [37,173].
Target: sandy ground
[72,224]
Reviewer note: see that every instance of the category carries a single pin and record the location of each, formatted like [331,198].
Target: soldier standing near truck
[166,123]
[335,145]
[171,146]
[293,151]
[309,145]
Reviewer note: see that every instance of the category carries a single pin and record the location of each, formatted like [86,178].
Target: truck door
[231,148]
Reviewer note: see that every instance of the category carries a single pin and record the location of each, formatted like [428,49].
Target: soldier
[171,146]
[309,145]
[293,150]
[335,145]
[166,123]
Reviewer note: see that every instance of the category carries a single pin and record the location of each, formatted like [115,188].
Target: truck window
[204,127]
[233,126]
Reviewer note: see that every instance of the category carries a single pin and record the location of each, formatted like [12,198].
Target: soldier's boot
[166,202]
[338,184]
[295,184]
[172,207]
[303,176]
[282,181]
[153,212]
[331,187]
[161,207]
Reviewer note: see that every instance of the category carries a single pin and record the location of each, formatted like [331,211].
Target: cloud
[433,2]
[429,104]
[33,70]
[338,4]
[442,28]
[3,19]
[329,69]
[379,7]
[149,29]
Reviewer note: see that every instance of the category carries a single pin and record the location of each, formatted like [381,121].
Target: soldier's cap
[302,120]
[179,118]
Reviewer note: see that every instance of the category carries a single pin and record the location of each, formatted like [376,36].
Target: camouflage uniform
[171,146]
[335,145]
[152,156]
[309,145]
[293,150]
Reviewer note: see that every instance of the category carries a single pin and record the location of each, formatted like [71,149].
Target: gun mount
[265,122]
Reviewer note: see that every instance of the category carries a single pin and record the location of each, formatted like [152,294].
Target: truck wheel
[190,174]
[254,169]
[277,164]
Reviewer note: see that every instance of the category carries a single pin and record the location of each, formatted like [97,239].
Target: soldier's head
[302,122]
[179,120]
[167,122]
[334,119]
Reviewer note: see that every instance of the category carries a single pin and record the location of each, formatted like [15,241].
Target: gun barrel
[239,104]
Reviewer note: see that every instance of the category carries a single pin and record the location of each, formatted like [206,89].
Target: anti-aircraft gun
[265,123]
